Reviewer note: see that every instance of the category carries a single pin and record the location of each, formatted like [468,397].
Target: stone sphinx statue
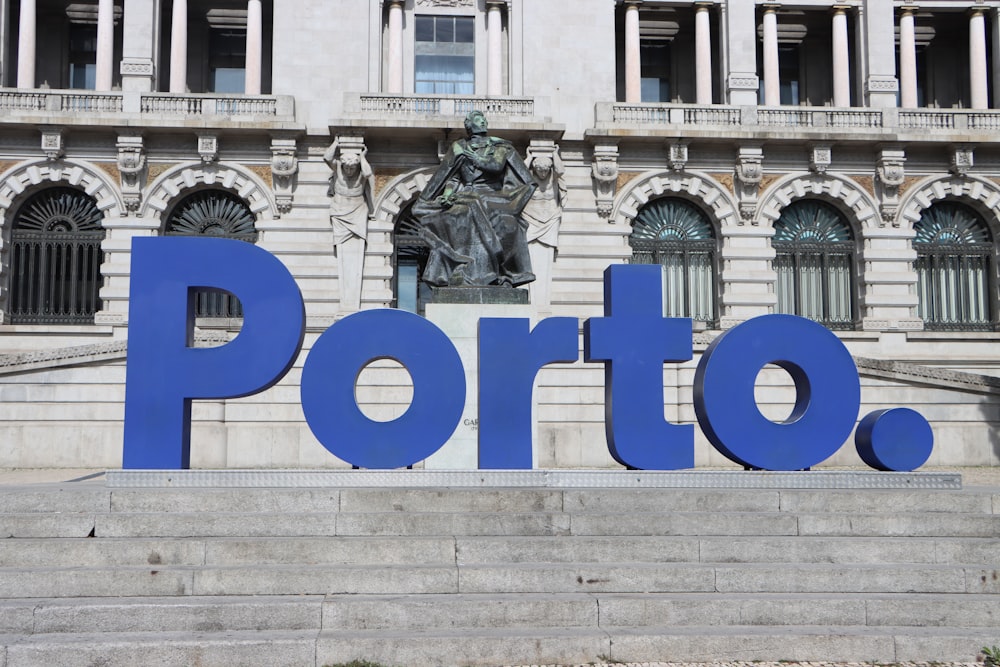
[470,213]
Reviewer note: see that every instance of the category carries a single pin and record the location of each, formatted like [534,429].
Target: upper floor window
[677,235]
[814,261]
[213,213]
[654,60]
[954,268]
[82,56]
[444,55]
[227,55]
[55,259]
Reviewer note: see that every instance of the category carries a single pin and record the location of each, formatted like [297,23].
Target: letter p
[165,372]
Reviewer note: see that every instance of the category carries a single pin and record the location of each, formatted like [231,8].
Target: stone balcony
[399,113]
[796,123]
[143,109]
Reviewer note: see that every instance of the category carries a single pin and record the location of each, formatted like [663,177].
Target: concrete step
[617,610]
[272,524]
[146,614]
[820,644]
[610,611]
[484,550]
[298,579]
[164,649]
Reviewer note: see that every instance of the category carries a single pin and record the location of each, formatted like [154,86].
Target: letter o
[828,393]
[331,371]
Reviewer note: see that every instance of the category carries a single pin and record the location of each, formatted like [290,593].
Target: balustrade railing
[806,118]
[434,105]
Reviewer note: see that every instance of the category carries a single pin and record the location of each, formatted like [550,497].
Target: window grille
[954,259]
[214,213]
[55,270]
[815,264]
[677,235]
[409,259]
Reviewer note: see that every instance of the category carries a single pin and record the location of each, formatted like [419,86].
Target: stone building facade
[836,160]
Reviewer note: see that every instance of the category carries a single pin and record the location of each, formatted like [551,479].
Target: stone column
[494,53]
[178,48]
[255,40]
[395,81]
[907,59]
[841,59]
[105,44]
[633,69]
[26,45]
[772,82]
[978,73]
[703,53]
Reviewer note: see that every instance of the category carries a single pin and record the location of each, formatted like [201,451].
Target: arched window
[55,267]
[815,264]
[678,235]
[954,251]
[408,261]
[214,213]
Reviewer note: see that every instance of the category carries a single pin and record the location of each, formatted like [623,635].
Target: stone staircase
[99,576]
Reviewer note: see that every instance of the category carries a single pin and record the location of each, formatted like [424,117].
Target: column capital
[393,3]
[490,4]
[977,10]
[909,9]
[632,3]
[771,7]
[704,5]
[841,9]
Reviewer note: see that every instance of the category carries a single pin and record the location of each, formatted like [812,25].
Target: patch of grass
[991,655]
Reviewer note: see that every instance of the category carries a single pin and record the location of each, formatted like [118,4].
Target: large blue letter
[331,371]
[828,393]
[509,359]
[165,372]
[634,340]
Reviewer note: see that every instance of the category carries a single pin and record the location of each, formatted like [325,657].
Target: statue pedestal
[479,295]
[460,322]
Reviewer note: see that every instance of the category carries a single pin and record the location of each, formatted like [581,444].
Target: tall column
[703,53]
[395,81]
[178,47]
[105,44]
[26,45]
[907,59]
[255,40]
[772,82]
[978,74]
[841,59]
[633,68]
[494,52]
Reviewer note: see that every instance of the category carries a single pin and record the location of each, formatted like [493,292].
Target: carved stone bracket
[605,173]
[820,158]
[749,173]
[131,168]
[284,166]
[677,155]
[890,174]
[961,160]
[52,143]
[208,147]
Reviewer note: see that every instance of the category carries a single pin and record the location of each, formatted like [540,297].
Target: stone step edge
[562,479]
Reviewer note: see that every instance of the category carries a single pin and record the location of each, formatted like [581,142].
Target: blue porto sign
[633,341]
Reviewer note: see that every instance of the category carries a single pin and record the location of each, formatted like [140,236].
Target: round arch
[979,193]
[845,194]
[396,194]
[163,191]
[17,183]
[698,187]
